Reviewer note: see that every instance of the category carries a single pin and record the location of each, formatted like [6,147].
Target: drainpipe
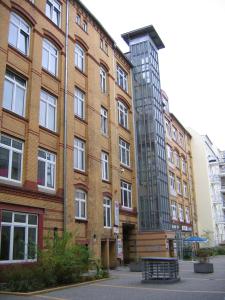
[65,120]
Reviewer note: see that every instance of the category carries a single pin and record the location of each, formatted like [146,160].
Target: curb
[54,288]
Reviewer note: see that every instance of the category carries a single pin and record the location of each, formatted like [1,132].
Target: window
[18,237]
[103,80]
[80,204]
[172,183]
[11,158]
[106,48]
[19,34]
[101,44]
[181,213]
[107,212]
[105,166]
[78,19]
[181,139]
[174,210]
[46,169]
[185,189]
[122,78]
[184,165]
[14,94]
[174,133]
[49,57]
[79,154]
[169,153]
[122,114]
[179,189]
[85,26]
[177,159]
[47,116]
[104,121]
[79,105]
[79,57]
[187,215]
[53,11]
[168,128]
[124,152]
[126,194]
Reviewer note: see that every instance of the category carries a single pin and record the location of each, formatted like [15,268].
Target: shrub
[60,263]
[220,250]
[204,252]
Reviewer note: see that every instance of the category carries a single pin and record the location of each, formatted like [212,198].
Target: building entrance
[129,248]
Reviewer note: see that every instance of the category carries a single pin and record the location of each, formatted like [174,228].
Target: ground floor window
[18,236]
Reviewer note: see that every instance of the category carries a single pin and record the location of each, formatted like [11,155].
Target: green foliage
[220,250]
[61,262]
[204,252]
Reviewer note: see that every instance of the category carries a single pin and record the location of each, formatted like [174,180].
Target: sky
[192,65]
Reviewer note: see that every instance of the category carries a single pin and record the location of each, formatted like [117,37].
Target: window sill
[122,166]
[106,227]
[127,130]
[80,71]
[46,190]
[106,181]
[15,114]
[123,90]
[17,51]
[51,74]
[7,262]
[80,172]
[48,130]
[10,182]
[80,220]
[80,119]
[105,135]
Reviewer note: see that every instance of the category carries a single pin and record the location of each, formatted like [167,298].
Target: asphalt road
[127,286]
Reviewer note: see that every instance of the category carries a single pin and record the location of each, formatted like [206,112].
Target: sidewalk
[125,285]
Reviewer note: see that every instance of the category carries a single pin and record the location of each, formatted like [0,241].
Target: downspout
[65,120]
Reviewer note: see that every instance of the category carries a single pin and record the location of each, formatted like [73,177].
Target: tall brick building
[66,132]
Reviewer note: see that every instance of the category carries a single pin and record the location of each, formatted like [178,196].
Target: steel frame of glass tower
[153,194]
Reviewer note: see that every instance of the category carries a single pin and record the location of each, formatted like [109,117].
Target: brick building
[180,176]
[66,132]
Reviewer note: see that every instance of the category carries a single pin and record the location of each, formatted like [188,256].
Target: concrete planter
[203,268]
[135,266]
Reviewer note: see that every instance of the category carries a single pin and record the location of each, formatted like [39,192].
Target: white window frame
[173,210]
[172,183]
[124,148]
[177,159]
[107,207]
[25,225]
[52,163]
[79,57]
[12,150]
[187,215]
[185,189]
[20,24]
[104,120]
[48,104]
[78,19]
[126,188]
[50,49]
[79,151]
[81,201]
[179,186]
[85,26]
[184,165]
[105,165]
[175,133]
[16,84]
[181,213]
[170,154]
[54,5]
[79,103]
[103,77]
[168,128]
[122,114]
[122,78]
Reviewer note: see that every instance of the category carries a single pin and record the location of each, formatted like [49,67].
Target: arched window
[50,57]
[79,57]
[80,204]
[122,114]
[19,34]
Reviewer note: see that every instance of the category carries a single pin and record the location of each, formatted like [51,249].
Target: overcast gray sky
[192,66]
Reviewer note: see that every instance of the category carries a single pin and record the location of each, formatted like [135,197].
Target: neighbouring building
[208,165]
[155,236]
[180,177]
[66,134]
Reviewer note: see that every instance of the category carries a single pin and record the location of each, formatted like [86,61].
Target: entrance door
[128,243]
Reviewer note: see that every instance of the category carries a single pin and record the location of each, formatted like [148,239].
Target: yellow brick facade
[27,194]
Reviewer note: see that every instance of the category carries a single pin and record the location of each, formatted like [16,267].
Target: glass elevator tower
[153,195]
